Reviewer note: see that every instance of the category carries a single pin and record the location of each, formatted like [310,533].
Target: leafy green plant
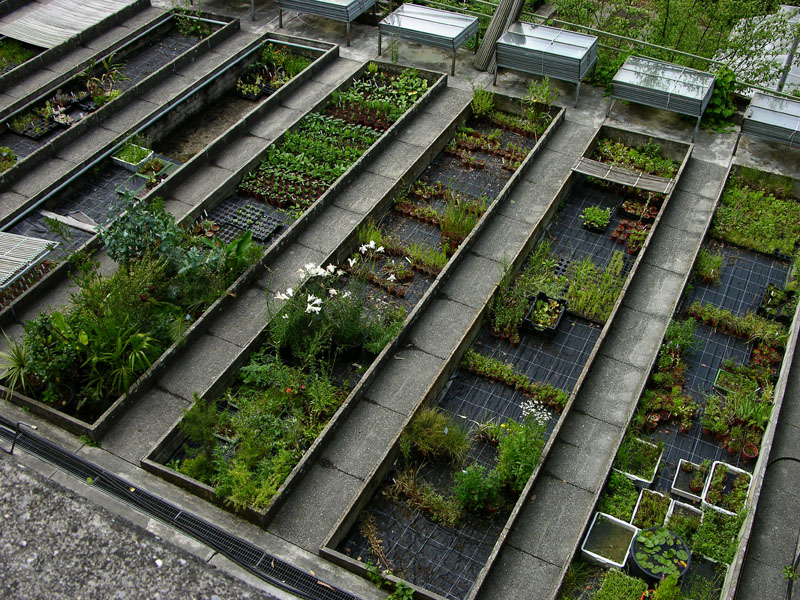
[131,153]
[721,108]
[476,490]
[717,536]
[619,498]
[596,216]
[401,592]
[647,158]
[13,53]
[423,496]
[8,158]
[538,99]
[619,586]
[708,266]
[660,552]
[756,219]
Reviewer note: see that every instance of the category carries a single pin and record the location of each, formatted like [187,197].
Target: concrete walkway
[775,538]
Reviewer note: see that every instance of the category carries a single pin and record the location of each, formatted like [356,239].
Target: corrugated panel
[56,22]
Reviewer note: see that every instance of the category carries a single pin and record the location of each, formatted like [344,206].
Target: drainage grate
[246,555]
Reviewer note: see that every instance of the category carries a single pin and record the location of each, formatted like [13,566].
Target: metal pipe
[122,143]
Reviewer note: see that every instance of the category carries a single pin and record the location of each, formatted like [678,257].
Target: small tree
[538,100]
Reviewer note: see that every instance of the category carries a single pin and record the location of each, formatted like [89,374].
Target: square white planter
[686,493]
[133,168]
[626,531]
[640,482]
[639,500]
[677,505]
[731,469]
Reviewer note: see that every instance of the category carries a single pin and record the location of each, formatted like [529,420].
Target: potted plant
[596,218]
[132,157]
[544,314]
[658,553]
[727,488]
[689,480]
[608,542]
[651,509]
[639,460]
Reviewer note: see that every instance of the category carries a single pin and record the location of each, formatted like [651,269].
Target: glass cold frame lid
[664,77]
[771,110]
[428,20]
[548,40]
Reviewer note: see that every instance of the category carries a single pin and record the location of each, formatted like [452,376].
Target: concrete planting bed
[342,536]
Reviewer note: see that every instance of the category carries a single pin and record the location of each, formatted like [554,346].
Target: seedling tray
[530,326]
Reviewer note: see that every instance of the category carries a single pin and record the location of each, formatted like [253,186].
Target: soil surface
[193,136]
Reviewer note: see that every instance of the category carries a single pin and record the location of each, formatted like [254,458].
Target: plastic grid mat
[743,279]
[571,241]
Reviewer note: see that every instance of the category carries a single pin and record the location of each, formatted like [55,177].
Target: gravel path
[56,545]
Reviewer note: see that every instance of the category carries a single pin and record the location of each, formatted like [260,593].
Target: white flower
[363,248]
[290,292]
[352,261]
[313,309]
[285,316]
[371,244]
[318,272]
[310,267]
[391,278]
[345,294]
[332,292]
[532,409]
[314,304]
[380,249]
[331,268]
[312,299]
[339,272]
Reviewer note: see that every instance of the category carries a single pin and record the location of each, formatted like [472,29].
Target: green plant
[619,586]
[8,158]
[638,457]
[401,592]
[668,588]
[140,229]
[102,86]
[538,99]
[660,552]
[789,573]
[482,102]
[423,496]
[518,453]
[620,497]
[13,53]
[187,24]
[14,364]
[717,536]
[721,108]
[593,291]
[647,158]
[131,153]
[652,510]
[685,525]
[435,434]
[596,216]
[708,266]
[476,490]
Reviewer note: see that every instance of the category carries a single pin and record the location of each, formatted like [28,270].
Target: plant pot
[727,485]
[646,557]
[749,451]
[682,483]
[548,330]
[133,167]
